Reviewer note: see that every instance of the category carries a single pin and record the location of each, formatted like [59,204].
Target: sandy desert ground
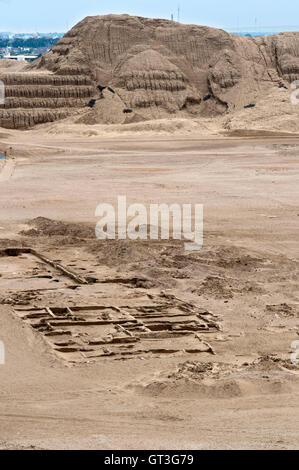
[142,345]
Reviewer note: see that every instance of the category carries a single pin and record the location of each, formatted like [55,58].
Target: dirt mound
[267,374]
[270,363]
[223,287]
[42,226]
[283,310]
[202,379]
[231,258]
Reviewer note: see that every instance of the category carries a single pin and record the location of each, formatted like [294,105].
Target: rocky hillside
[118,68]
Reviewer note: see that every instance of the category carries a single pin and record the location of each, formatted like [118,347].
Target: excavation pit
[25,268]
[78,334]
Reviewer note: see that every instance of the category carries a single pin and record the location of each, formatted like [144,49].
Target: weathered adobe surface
[154,67]
[36,97]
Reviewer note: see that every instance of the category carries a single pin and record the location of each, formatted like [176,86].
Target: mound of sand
[226,288]
[133,125]
[41,226]
[223,380]
[232,257]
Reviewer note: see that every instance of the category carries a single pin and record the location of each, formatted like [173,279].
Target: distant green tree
[33,43]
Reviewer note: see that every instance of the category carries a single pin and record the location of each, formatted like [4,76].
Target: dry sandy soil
[133,345]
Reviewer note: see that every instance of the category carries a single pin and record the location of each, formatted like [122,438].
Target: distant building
[29,58]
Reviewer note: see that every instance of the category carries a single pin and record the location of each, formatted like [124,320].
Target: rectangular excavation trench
[158,325]
[84,333]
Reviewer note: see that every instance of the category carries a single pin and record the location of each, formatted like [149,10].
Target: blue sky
[61,15]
